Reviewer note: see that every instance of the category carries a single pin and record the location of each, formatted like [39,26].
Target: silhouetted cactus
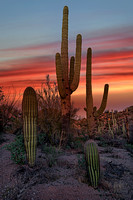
[91,111]
[67,81]
[30,110]
[93,162]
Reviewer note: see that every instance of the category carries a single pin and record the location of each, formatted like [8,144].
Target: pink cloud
[112,60]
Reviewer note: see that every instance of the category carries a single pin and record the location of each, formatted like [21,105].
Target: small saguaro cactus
[30,111]
[91,111]
[93,162]
[68,80]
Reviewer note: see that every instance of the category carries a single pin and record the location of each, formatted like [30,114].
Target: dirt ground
[67,178]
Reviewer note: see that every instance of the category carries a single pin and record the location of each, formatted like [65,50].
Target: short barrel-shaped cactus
[30,110]
[93,162]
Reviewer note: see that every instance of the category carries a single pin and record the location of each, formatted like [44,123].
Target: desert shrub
[102,143]
[10,115]
[42,138]
[17,150]
[77,144]
[81,161]
[48,149]
[74,143]
[51,154]
[129,147]
[84,135]
[49,116]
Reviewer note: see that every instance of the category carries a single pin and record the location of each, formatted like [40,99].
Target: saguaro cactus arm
[71,74]
[77,64]
[89,97]
[64,45]
[104,101]
[59,74]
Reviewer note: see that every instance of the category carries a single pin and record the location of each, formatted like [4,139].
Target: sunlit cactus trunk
[68,80]
[92,112]
[93,162]
[30,110]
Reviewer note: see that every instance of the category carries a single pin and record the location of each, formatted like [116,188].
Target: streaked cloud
[112,63]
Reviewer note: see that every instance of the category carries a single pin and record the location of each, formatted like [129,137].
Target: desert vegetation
[48,153]
[10,114]
[88,157]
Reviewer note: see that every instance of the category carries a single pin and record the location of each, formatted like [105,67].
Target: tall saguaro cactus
[68,80]
[91,111]
[30,110]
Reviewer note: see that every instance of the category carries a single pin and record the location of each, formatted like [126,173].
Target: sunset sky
[30,36]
